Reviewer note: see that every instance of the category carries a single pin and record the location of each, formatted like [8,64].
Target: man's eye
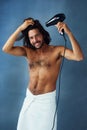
[31,38]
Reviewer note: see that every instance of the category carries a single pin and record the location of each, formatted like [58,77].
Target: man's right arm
[9,45]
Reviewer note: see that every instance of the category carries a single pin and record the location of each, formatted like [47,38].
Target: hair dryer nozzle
[55,19]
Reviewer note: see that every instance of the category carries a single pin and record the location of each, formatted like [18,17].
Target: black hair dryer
[55,19]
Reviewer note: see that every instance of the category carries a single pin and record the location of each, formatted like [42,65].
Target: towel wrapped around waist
[38,111]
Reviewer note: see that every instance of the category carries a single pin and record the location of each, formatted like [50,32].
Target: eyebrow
[35,34]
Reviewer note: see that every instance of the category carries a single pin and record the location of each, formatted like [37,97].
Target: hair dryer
[55,19]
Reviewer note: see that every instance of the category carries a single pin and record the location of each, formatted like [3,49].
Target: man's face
[36,38]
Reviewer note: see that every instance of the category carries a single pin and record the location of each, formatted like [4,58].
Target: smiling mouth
[37,44]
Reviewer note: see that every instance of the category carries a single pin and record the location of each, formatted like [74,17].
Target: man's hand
[62,26]
[26,24]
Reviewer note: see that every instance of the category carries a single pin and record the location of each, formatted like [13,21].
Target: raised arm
[9,45]
[76,52]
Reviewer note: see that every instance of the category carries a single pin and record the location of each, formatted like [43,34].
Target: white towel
[37,112]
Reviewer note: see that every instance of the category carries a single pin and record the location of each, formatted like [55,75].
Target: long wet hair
[37,25]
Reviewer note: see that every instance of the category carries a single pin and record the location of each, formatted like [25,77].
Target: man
[44,60]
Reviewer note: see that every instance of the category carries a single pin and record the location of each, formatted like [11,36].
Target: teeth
[37,43]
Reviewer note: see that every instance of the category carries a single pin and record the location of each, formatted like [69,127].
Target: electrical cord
[61,67]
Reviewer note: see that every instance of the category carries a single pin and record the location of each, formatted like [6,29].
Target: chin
[38,47]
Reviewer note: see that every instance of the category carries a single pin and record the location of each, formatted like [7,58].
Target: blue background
[72,110]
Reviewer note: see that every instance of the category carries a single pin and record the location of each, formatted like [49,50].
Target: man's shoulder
[55,46]
[27,48]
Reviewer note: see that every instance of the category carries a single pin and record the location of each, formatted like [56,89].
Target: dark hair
[37,25]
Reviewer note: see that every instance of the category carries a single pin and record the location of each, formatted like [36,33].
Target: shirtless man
[44,59]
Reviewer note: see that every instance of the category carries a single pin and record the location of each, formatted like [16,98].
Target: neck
[42,48]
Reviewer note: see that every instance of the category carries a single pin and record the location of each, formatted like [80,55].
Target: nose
[34,39]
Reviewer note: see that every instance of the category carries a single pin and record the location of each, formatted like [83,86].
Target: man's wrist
[19,29]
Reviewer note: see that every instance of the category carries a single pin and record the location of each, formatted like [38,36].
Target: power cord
[61,67]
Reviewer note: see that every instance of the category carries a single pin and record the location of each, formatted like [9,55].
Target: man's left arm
[76,52]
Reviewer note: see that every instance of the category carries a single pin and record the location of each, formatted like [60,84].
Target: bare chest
[45,59]
[39,61]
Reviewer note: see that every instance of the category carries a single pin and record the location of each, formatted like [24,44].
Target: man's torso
[44,68]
